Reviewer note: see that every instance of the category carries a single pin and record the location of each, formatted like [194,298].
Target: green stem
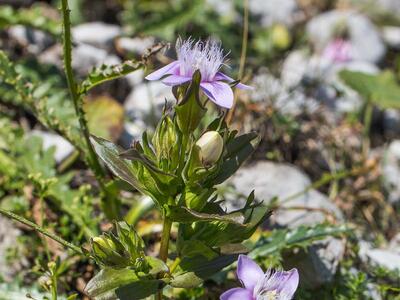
[110,204]
[64,165]
[41,230]
[165,236]
[54,288]
[165,239]
[319,183]
[175,264]
[367,127]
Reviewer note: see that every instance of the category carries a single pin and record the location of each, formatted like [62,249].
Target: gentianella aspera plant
[179,167]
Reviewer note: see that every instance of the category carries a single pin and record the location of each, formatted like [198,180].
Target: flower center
[206,57]
[268,295]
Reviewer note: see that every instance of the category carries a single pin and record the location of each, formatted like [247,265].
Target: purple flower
[271,285]
[206,57]
[338,51]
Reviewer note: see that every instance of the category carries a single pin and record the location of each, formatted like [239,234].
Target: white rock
[147,100]
[391,122]
[394,244]
[135,45]
[8,239]
[385,258]
[363,36]
[224,8]
[63,147]
[35,41]
[96,33]
[391,171]
[391,35]
[271,180]
[86,57]
[271,91]
[288,183]
[275,11]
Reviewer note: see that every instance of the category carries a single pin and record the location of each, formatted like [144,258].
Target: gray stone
[135,45]
[271,91]
[364,38]
[319,263]
[146,101]
[35,41]
[63,147]
[275,11]
[86,57]
[96,34]
[391,122]
[391,35]
[376,257]
[299,207]
[391,171]
[284,181]
[8,240]
[394,244]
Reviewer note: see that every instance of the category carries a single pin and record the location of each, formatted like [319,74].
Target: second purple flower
[208,58]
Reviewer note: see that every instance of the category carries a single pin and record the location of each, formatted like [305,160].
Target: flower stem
[166,232]
[36,227]
[165,236]
[110,204]
[367,127]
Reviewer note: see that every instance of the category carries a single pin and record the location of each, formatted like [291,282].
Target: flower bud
[210,146]
[120,250]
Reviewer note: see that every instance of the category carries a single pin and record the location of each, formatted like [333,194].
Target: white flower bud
[210,146]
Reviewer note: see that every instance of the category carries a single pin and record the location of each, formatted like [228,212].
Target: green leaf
[105,117]
[238,150]
[302,236]
[42,91]
[192,271]
[183,214]
[190,111]
[106,73]
[32,17]
[381,89]
[110,154]
[104,284]
[139,289]
[192,248]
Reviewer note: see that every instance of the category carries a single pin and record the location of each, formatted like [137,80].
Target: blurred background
[326,103]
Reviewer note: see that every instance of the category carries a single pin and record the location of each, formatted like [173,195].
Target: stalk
[165,236]
[41,230]
[367,128]
[110,204]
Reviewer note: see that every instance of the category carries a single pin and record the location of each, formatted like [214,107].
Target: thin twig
[243,53]
[36,227]
[109,203]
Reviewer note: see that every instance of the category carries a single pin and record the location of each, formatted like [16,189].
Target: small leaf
[104,284]
[139,289]
[189,110]
[382,89]
[105,73]
[238,150]
[192,271]
[302,236]
[109,153]
[185,215]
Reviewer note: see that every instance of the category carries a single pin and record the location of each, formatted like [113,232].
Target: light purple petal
[221,76]
[289,282]
[168,69]
[218,92]
[248,272]
[237,294]
[175,80]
